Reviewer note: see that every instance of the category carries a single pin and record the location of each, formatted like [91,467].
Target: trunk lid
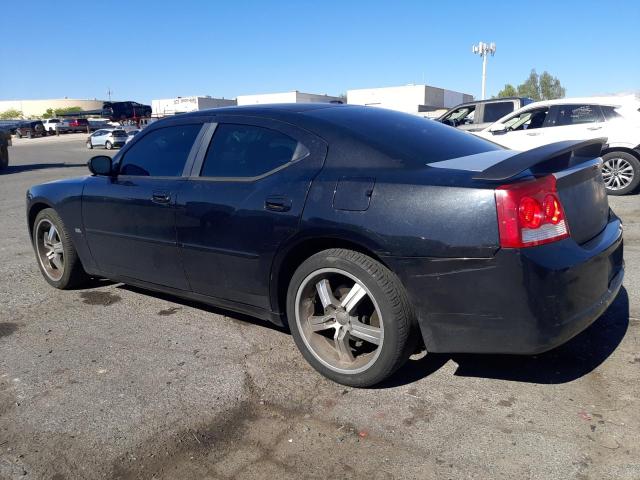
[584,199]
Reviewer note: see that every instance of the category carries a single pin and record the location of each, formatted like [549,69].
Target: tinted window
[410,141]
[577,114]
[495,111]
[160,153]
[610,112]
[248,151]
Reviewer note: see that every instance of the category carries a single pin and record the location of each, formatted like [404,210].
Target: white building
[171,106]
[285,97]
[416,99]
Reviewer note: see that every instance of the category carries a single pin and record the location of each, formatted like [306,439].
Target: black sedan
[369,233]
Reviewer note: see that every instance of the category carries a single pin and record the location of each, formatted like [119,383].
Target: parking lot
[117,382]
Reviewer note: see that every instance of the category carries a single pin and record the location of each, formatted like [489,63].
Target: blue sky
[155,49]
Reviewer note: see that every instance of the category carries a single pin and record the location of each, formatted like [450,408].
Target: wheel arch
[630,151]
[291,257]
[34,209]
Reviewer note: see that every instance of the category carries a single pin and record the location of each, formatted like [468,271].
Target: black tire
[400,332]
[108,145]
[630,160]
[89,145]
[73,275]
[18,134]
[4,158]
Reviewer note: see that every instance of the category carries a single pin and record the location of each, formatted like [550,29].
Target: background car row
[540,123]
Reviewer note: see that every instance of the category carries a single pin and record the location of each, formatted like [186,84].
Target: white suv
[616,118]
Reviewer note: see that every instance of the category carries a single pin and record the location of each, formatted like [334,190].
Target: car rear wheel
[108,145]
[57,257]
[18,134]
[4,158]
[350,317]
[621,172]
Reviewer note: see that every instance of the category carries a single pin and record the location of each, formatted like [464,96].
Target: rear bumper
[521,301]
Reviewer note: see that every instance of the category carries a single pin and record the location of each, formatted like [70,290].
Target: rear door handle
[533,134]
[277,203]
[161,197]
[594,128]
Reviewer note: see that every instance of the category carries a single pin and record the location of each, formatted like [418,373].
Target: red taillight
[530,213]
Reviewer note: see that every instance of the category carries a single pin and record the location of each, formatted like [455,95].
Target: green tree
[508,91]
[51,112]
[550,87]
[11,114]
[541,87]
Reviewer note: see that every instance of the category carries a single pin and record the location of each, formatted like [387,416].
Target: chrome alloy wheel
[50,249]
[339,320]
[617,173]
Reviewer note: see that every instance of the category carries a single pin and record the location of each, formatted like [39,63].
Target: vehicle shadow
[576,358]
[208,308]
[38,166]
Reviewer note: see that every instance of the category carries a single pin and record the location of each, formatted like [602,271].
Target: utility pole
[109,92]
[483,49]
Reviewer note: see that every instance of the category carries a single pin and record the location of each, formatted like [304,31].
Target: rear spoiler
[544,160]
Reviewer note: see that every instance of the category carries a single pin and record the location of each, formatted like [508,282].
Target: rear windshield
[119,133]
[415,140]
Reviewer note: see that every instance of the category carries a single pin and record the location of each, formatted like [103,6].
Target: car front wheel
[89,145]
[621,172]
[350,317]
[108,145]
[57,257]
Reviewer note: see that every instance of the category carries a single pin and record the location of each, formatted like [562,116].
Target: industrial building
[172,106]
[415,99]
[286,97]
[35,108]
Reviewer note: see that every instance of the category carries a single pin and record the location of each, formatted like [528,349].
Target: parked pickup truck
[53,124]
[475,116]
[77,124]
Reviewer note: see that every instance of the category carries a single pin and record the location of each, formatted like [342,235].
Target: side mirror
[498,129]
[100,165]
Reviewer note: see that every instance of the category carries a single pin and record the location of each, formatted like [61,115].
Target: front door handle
[594,128]
[533,134]
[161,197]
[277,203]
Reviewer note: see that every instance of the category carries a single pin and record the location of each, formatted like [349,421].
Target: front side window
[528,120]
[577,114]
[460,116]
[160,153]
[246,151]
[497,110]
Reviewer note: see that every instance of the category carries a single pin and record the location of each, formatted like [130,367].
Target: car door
[524,130]
[97,138]
[575,122]
[129,219]
[243,199]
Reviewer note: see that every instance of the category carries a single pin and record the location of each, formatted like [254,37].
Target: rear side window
[245,151]
[409,140]
[610,112]
[160,153]
[577,114]
[495,111]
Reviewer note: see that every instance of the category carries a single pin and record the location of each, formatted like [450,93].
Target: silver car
[107,138]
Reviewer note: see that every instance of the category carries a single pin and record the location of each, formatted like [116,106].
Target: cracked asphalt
[117,382]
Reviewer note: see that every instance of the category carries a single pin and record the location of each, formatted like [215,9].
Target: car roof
[602,100]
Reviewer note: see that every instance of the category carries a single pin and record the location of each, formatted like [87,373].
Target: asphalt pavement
[117,382]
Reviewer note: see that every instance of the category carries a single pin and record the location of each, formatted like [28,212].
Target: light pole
[483,49]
